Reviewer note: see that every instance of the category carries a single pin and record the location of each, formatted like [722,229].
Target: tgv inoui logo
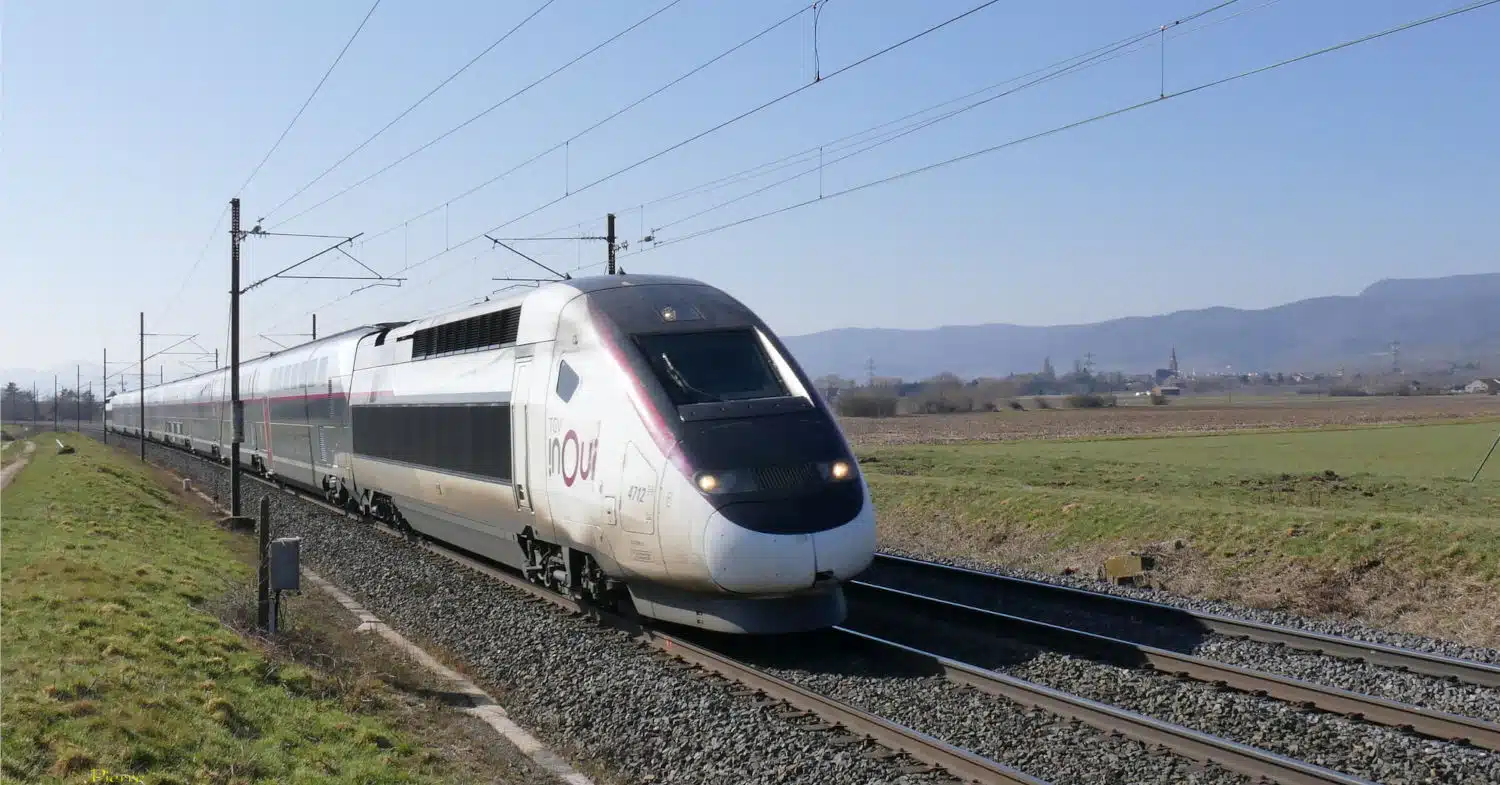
[572,457]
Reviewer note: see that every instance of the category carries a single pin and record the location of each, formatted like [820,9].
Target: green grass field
[110,661]
[1412,452]
[1257,512]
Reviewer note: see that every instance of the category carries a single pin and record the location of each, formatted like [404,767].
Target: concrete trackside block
[481,704]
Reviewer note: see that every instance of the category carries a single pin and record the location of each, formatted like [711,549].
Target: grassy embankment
[12,444]
[1395,535]
[114,659]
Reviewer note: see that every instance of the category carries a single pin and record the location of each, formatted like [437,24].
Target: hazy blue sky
[128,126]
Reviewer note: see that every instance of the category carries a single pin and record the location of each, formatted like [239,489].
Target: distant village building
[1485,386]
[1170,373]
[1171,389]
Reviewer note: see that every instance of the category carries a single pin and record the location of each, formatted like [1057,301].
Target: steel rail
[1451,668]
[959,763]
[1194,744]
[895,608]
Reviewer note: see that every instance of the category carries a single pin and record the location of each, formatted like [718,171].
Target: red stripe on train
[640,400]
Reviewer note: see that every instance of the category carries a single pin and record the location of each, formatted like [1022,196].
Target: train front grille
[787,478]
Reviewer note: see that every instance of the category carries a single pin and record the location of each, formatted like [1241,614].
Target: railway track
[905,615]
[887,621]
[1253,763]
[1169,625]
[852,725]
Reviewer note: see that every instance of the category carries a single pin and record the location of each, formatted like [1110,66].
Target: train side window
[471,439]
[567,381]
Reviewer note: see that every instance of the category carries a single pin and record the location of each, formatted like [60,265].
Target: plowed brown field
[1182,416]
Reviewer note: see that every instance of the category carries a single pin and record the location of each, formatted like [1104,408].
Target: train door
[636,508]
[520,431]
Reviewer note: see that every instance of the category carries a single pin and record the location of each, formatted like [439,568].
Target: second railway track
[1169,624]
[910,616]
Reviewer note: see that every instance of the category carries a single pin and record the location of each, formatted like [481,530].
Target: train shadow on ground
[830,652]
[1155,625]
[837,652]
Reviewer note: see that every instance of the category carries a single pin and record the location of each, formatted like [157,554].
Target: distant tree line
[1085,388]
[947,393]
[17,403]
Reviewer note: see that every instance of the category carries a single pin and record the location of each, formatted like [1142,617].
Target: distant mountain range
[1436,320]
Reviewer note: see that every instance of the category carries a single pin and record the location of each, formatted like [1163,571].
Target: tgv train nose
[745,561]
[740,560]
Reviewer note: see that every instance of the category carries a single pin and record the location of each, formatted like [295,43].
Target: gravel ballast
[1417,689]
[1029,739]
[589,692]
[1375,680]
[1333,742]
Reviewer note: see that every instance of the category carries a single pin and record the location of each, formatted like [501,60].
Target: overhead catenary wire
[1068,65]
[762,107]
[678,145]
[198,262]
[253,172]
[471,300]
[575,137]
[155,354]
[310,97]
[1094,58]
[1058,70]
[408,110]
[471,120]
[1076,124]
[574,227]
[766,105]
[1091,58]
[853,139]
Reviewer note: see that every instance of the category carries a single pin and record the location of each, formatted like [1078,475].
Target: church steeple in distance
[1173,366]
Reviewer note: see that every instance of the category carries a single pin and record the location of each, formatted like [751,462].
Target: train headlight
[836,471]
[725,481]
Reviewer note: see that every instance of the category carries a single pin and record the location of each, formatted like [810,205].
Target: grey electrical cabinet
[286,554]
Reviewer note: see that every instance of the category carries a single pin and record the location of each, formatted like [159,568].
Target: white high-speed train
[616,435]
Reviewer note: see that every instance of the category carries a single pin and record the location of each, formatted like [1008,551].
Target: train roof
[363,329]
[555,293]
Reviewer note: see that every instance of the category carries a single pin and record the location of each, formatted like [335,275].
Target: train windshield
[711,366]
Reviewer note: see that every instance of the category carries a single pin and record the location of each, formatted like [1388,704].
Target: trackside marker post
[263,555]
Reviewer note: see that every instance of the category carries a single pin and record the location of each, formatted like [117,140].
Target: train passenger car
[619,436]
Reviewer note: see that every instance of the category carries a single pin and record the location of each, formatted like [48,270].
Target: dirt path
[13,469]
